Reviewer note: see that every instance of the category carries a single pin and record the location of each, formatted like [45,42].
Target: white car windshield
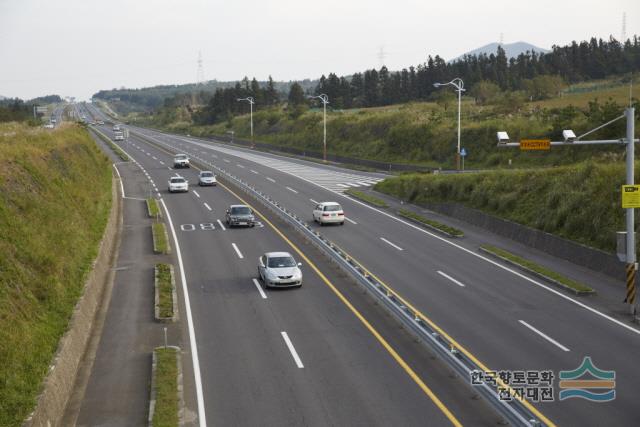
[206,174]
[280,262]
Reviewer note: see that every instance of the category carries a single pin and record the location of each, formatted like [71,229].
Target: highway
[324,354]
[505,319]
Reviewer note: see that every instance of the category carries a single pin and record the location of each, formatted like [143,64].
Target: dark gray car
[240,215]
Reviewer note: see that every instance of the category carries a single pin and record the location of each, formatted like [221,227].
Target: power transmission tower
[501,39]
[623,33]
[200,74]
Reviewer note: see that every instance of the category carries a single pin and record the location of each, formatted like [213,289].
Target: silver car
[279,269]
[207,178]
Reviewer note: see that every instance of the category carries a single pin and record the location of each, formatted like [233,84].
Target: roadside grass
[576,286]
[160,242]
[579,202]
[152,207]
[166,383]
[55,198]
[367,198]
[435,224]
[165,290]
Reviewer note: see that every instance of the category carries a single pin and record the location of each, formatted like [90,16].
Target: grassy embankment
[579,202]
[55,197]
[424,133]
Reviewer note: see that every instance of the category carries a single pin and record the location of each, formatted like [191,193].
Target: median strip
[152,208]
[431,224]
[538,270]
[165,294]
[160,238]
[166,387]
[360,195]
[113,146]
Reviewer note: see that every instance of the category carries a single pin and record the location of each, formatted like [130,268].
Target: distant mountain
[511,49]
[2,97]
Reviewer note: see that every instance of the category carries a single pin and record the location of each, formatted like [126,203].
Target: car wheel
[321,223]
[253,225]
[342,223]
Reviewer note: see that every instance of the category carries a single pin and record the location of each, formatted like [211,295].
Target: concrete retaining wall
[576,253]
[59,383]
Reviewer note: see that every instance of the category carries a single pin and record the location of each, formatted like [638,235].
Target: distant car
[53,120]
[207,178]
[328,213]
[178,183]
[118,136]
[279,269]
[49,126]
[240,215]
[100,122]
[180,161]
[116,128]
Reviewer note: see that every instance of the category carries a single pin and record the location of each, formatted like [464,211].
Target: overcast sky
[77,47]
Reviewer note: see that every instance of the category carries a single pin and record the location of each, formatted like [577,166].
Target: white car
[279,269]
[49,126]
[328,213]
[207,178]
[178,183]
[116,128]
[119,137]
[180,161]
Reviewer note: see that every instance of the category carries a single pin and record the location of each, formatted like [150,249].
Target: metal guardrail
[515,411]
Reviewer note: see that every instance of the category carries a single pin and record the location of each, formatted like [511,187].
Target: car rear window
[332,208]
[177,180]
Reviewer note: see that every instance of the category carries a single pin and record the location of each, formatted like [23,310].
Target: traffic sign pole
[631,235]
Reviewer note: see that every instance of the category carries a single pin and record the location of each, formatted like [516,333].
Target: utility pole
[629,141]
[459,85]
[250,100]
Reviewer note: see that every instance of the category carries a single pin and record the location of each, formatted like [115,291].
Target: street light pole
[250,100]
[325,100]
[459,85]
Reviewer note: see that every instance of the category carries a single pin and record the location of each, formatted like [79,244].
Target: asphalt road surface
[506,319]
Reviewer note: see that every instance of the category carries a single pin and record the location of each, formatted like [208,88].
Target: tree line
[488,78]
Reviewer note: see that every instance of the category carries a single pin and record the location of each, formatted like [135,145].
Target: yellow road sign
[630,196]
[535,144]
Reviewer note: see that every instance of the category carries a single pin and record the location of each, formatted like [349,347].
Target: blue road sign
[463,152]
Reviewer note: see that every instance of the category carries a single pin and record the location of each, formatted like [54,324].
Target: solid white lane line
[313,201]
[395,246]
[237,251]
[196,193]
[221,225]
[206,205]
[293,351]
[350,220]
[262,294]
[291,189]
[270,179]
[451,278]
[120,178]
[252,171]
[546,337]
[192,334]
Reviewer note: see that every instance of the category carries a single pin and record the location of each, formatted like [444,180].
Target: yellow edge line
[466,352]
[364,321]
